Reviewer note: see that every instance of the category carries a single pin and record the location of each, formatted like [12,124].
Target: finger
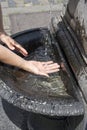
[19,48]
[52,71]
[52,66]
[8,42]
[10,45]
[48,62]
[22,51]
[14,45]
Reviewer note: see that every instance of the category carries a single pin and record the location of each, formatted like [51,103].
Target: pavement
[26,7]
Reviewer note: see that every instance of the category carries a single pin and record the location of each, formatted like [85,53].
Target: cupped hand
[41,68]
[12,44]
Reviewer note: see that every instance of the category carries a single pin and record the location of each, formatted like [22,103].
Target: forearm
[39,68]
[8,57]
[1,22]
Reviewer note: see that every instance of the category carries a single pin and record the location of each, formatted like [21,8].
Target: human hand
[41,68]
[12,44]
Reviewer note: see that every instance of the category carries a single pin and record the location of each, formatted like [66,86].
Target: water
[41,85]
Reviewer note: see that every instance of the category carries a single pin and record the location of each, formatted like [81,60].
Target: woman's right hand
[41,68]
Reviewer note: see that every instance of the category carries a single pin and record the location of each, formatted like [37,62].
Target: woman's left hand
[12,44]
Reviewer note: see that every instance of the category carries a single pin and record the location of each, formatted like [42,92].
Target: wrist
[23,64]
[27,66]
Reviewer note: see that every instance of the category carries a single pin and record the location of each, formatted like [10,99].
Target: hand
[12,44]
[41,68]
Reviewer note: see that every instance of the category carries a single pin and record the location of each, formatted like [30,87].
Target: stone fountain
[61,98]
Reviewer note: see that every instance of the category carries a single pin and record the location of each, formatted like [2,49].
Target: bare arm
[39,68]
[9,57]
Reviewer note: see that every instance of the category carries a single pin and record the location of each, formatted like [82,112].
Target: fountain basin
[16,88]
